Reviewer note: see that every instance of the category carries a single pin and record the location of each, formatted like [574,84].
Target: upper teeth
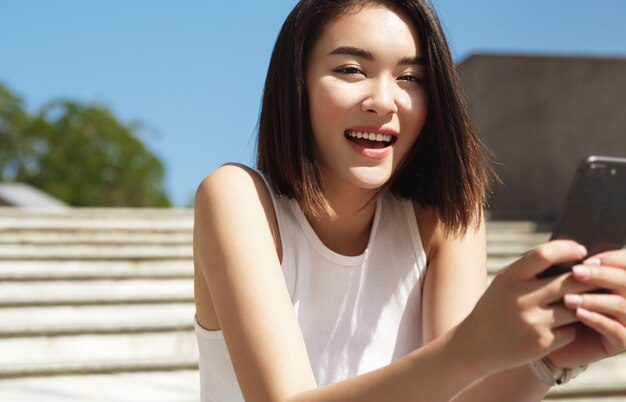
[370,136]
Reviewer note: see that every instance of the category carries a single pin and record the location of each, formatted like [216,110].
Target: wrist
[464,350]
[552,375]
[444,366]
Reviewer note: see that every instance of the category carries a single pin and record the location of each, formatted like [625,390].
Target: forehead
[372,26]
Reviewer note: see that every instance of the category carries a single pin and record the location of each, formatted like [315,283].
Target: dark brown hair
[445,170]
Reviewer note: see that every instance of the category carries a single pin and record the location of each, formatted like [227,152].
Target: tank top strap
[283,210]
[267,185]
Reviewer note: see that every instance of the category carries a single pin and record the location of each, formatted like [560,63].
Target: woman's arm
[456,279]
[236,253]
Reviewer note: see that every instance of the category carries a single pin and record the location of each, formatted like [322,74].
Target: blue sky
[192,71]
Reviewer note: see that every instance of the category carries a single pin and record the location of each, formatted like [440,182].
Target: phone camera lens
[597,170]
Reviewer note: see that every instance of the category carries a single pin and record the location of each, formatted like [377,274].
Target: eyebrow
[364,54]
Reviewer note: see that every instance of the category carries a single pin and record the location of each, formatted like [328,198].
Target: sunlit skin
[366,72]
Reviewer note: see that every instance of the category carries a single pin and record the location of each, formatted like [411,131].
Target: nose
[381,98]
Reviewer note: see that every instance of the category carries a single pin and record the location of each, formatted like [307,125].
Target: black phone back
[594,213]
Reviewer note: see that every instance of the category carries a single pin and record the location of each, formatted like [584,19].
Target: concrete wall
[541,115]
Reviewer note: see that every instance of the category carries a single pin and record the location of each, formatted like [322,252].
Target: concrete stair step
[98,213]
[58,238]
[103,319]
[108,366]
[94,329]
[149,386]
[106,292]
[43,270]
[514,226]
[517,237]
[508,249]
[20,352]
[94,252]
[494,264]
[90,229]
[95,223]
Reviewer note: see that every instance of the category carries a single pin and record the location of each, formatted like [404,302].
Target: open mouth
[370,140]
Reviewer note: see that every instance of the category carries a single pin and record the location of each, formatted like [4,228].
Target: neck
[349,231]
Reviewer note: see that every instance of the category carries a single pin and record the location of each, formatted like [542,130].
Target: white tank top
[356,313]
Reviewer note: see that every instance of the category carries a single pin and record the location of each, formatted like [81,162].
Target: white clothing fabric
[356,313]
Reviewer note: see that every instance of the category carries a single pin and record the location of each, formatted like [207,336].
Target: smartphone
[594,213]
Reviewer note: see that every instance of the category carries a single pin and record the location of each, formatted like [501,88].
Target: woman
[365,220]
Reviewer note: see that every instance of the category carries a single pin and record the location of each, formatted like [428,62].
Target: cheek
[415,106]
[329,99]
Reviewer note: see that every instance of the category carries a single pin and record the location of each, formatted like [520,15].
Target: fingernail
[593,261]
[582,313]
[582,250]
[581,271]
[573,300]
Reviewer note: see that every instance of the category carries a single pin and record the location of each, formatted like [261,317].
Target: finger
[611,330]
[615,258]
[605,304]
[552,290]
[605,277]
[541,257]
[561,316]
[562,336]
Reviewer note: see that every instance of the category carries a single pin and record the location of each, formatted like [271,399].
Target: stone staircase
[97,305]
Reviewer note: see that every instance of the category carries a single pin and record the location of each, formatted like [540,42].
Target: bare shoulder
[238,189]
[232,183]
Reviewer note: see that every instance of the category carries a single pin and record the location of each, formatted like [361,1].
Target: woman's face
[367,97]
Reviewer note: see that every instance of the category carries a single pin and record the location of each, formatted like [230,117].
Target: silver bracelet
[551,375]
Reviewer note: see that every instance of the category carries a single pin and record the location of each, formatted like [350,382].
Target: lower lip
[374,153]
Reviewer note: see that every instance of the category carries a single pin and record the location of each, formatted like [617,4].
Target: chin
[370,178]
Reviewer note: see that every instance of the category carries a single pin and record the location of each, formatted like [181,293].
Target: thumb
[545,255]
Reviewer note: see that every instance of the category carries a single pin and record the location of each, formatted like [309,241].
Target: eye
[411,78]
[349,70]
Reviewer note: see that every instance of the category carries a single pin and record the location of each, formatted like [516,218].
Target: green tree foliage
[78,153]
[14,123]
